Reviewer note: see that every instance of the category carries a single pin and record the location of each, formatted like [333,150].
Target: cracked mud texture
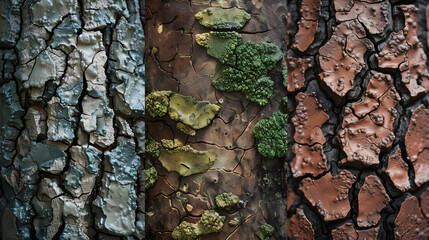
[71,106]
[177,62]
[366,67]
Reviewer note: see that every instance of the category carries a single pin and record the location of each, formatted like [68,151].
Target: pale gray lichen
[127,68]
[65,35]
[115,208]
[73,233]
[61,121]
[123,163]
[116,202]
[99,14]
[48,13]
[44,158]
[16,220]
[72,177]
[71,85]
[50,65]
[10,21]
[11,113]
[94,160]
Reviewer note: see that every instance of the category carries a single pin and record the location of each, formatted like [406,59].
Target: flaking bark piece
[329,194]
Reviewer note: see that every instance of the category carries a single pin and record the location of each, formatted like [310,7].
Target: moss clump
[284,73]
[220,45]
[249,73]
[222,18]
[227,200]
[157,103]
[151,175]
[210,222]
[272,135]
[265,231]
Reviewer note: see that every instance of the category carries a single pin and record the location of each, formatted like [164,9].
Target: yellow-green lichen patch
[151,175]
[265,231]
[186,129]
[220,45]
[153,147]
[189,111]
[227,200]
[171,144]
[210,222]
[272,135]
[222,18]
[157,103]
[186,161]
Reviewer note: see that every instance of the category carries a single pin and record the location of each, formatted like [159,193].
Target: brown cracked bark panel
[369,73]
[348,232]
[397,170]
[372,199]
[410,222]
[308,160]
[417,144]
[299,227]
[308,120]
[406,51]
[424,202]
[310,13]
[330,194]
[341,58]
[177,63]
[363,138]
[345,231]
[296,73]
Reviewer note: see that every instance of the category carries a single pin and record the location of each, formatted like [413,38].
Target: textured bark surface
[71,119]
[366,66]
[177,63]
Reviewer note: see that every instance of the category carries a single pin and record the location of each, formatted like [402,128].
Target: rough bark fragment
[397,169]
[410,222]
[335,189]
[372,199]
[416,142]
[362,138]
[299,227]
